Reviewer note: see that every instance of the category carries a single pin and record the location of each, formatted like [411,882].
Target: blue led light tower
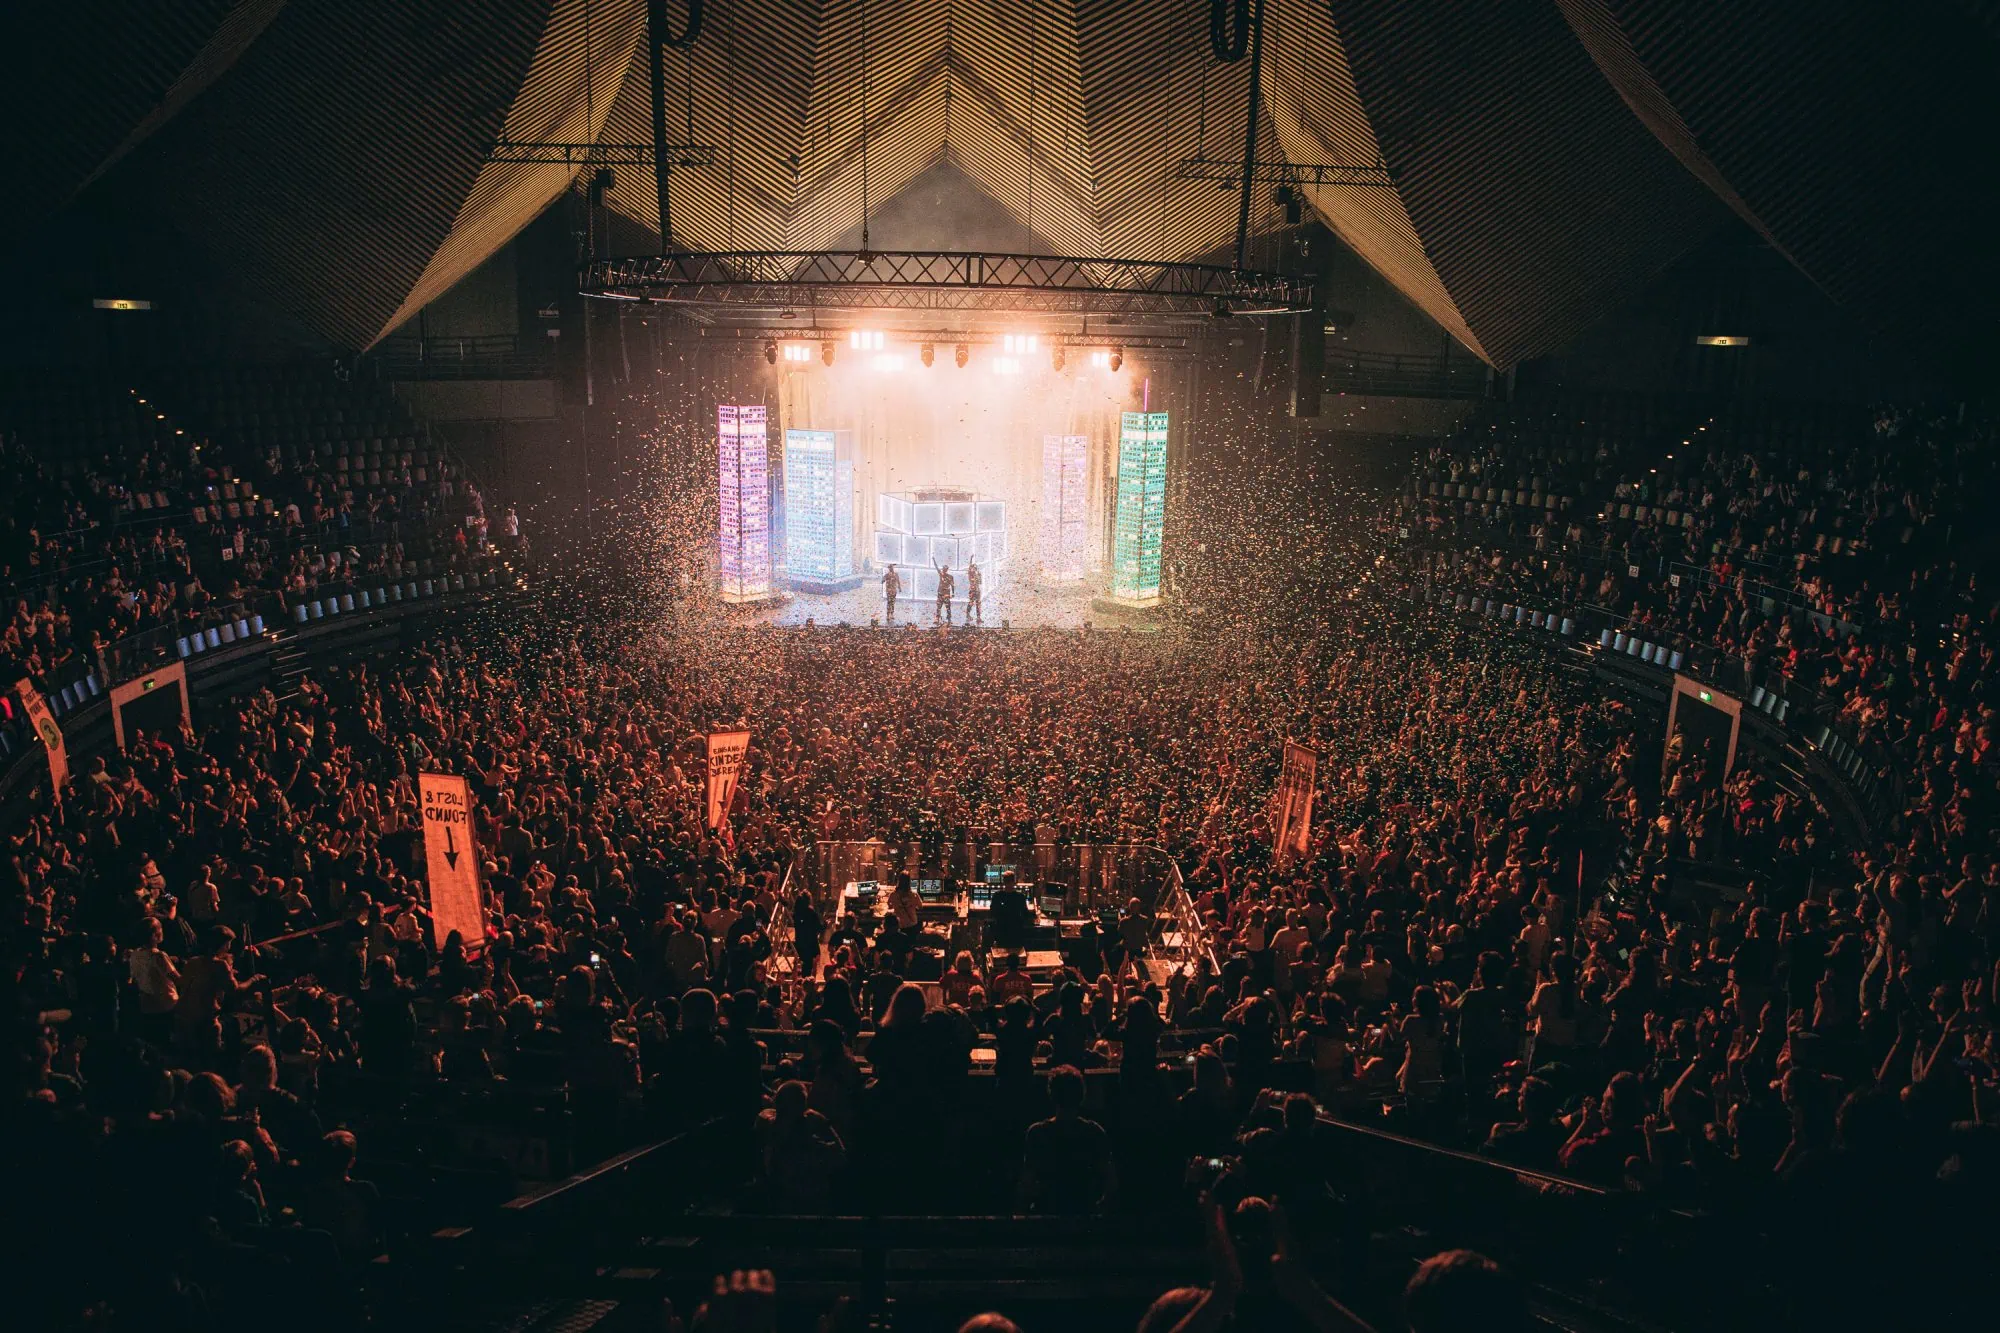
[819,512]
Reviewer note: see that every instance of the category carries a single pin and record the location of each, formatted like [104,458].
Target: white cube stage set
[919,530]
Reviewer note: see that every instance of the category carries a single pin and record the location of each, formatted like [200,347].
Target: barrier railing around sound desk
[1093,877]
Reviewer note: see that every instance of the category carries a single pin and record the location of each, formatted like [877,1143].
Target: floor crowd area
[225,996]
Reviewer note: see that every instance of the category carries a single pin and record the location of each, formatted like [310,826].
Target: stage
[1048,474]
[1021,606]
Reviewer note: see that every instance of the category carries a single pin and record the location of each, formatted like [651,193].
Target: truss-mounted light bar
[928,280]
[1296,174]
[602,154]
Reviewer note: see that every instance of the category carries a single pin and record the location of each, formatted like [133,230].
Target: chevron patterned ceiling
[1550,157]
[1861,149]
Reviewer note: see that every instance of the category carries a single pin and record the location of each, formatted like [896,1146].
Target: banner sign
[451,862]
[1292,803]
[44,723]
[725,766]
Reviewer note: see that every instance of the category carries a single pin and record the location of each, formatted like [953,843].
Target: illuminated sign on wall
[1065,522]
[745,503]
[1140,517]
[819,510]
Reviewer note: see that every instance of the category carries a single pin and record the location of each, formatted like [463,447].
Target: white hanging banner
[44,723]
[1293,803]
[725,765]
[451,861]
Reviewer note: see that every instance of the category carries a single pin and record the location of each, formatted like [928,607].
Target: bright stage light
[1100,360]
[1017,343]
[799,352]
[1006,365]
[864,340]
[889,362]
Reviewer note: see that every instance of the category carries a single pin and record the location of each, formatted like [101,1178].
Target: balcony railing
[1426,375]
[501,356]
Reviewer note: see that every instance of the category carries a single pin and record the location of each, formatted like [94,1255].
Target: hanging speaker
[1308,361]
[572,376]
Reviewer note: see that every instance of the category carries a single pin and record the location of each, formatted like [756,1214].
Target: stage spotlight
[960,354]
[1056,357]
[928,353]
[1100,360]
[864,340]
[770,352]
[799,352]
[1014,344]
[826,353]
[1117,359]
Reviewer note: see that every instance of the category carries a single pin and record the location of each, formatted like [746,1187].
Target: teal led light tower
[1140,518]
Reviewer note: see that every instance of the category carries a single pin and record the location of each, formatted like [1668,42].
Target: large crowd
[220,956]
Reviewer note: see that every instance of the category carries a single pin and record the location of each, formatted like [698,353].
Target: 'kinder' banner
[1292,803]
[45,726]
[451,863]
[725,768]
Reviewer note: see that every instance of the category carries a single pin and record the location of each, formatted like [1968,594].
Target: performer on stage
[946,587]
[892,583]
[972,581]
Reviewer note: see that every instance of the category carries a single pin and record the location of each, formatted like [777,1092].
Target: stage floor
[1023,606]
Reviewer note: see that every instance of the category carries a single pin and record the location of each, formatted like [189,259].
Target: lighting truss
[930,280]
[1296,174]
[1127,338]
[602,154]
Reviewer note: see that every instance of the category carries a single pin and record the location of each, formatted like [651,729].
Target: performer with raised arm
[973,579]
[892,583]
[946,587]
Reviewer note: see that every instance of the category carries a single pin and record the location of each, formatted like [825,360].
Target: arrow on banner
[450,849]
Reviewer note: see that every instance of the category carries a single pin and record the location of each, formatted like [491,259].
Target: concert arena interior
[1000,666]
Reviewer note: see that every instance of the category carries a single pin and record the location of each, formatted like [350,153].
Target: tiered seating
[358,432]
[202,498]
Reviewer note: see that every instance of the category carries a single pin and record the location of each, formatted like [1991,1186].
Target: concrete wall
[480,400]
